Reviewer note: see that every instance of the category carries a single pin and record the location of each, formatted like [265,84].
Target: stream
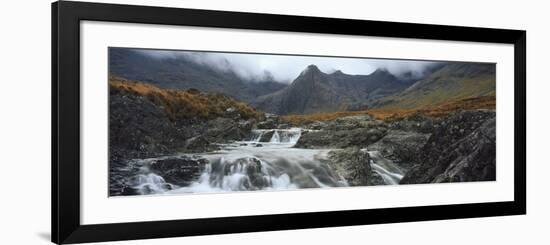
[254,165]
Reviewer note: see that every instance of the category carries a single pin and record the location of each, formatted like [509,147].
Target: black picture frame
[66,18]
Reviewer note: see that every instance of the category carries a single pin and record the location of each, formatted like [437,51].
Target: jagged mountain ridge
[314,91]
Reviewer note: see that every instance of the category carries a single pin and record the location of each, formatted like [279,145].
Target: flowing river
[261,164]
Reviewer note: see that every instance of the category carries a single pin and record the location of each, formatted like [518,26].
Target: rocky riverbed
[153,152]
[230,154]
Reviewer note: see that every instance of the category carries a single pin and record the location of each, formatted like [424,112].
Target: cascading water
[289,136]
[275,138]
[263,163]
[385,168]
[150,183]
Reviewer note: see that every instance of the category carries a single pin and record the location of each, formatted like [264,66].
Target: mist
[285,68]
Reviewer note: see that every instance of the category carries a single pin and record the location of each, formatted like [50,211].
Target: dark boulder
[266,136]
[197,144]
[180,171]
[353,165]
[401,146]
[461,148]
[415,123]
[359,137]
[271,121]
[224,130]
[140,129]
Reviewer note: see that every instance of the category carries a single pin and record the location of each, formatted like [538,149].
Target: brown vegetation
[184,103]
[323,116]
[484,102]
[439,110]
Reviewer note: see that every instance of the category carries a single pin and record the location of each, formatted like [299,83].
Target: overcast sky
[288,67]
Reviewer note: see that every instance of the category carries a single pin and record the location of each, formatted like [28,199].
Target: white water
[386,168]
[273,165]
[290,136]
[150,183]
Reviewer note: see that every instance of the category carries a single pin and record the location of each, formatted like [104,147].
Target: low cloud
[285,68]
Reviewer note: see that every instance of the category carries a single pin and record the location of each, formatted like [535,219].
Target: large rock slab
[359,137]
[353,165]
[461,148]
[401,146]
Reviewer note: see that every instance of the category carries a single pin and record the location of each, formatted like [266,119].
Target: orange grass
[443,109]
[184,103]
[323,116]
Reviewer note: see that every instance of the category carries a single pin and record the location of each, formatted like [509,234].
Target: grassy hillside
[453,82]
[184,103]
[322,116]
[438,110]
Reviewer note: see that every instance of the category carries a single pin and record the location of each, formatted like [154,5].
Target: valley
[177,126]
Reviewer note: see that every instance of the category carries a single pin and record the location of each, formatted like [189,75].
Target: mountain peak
[380,71]
[337,72]
[310,69]
[312,66]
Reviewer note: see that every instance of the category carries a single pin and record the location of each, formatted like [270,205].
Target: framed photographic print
[176,122]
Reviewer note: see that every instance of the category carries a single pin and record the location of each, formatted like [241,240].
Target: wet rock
[353,165]
[197,144]
[349,123]
[415,123]
[129,191]
[140,129]
[249,167]
[316,125]
[359,137]
[223,130]
[180,171]
[271,121]
[266,137]
[376,179]
[401,146]
[461,148]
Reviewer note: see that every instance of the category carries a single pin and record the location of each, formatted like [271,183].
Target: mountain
[183,73]
[314,91]
[452,82]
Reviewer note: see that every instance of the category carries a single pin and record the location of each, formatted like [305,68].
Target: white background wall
[25,121]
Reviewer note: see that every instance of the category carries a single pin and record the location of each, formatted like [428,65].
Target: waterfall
[241,172]
[275,138]
[275,166]
[386,168]
[267,161]
[257,135]
[150,183]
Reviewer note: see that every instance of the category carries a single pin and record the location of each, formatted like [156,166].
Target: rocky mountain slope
[183,73]
[314,91]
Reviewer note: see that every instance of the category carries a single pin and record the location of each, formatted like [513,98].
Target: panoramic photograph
[183,122]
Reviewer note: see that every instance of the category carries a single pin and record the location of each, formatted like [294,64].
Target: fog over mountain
[285,68]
